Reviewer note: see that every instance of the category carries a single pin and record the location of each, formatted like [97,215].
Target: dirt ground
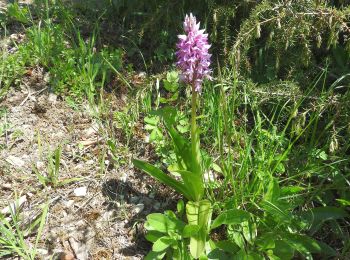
[99,216]
[99,210]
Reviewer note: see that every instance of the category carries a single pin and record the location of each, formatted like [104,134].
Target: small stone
[90,162]
[108,215]
[138,208]
[123,178]
[146,138]
[91,131]
[79,247]
[42,251]
[142,74]
[69,203]
[40,165]
[80,192]
[15,161]
[52,98]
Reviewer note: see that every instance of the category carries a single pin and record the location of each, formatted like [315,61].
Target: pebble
[15,161]
[80,192]
[138,208]
[52,98]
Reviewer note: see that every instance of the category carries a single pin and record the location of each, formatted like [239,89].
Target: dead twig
[31,94]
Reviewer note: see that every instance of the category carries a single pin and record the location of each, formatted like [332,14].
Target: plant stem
[193,121]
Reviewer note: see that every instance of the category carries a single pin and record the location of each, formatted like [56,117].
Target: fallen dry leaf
[67,256]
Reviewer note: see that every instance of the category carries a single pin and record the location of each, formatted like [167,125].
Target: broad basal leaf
[162,177]
[231,217]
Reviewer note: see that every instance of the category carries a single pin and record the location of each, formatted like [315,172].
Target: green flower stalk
[193,61]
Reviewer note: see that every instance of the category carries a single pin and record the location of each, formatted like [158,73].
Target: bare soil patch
[99,216]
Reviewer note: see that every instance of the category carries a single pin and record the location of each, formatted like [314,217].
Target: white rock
[40,165]
[90,162]
[80,248]
[80,192]
[69,203]
[15,161]
[52,98]
[138,208]
[91,130]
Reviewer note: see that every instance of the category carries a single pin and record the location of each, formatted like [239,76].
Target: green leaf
[153,235]
[180,206]
[317,216]
[182,147]
[278,213]
[183,129]
[163,100]
[170,86]
[283,250]
[227,246]
[172,76]
[217,168]
[162,177]
[266,241]
[174,97]
[168,115]
[156,134]
[291,190]
[193,183]
[196,154]
[151,120]
[162,223]
[162,243]
[307,245]
[190,230]
[15,12]
[155,255]
[231,217]
[249,231]
[219,254]
[243,255]
[325,213]
[273,191]
[198,213]
[343,202]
